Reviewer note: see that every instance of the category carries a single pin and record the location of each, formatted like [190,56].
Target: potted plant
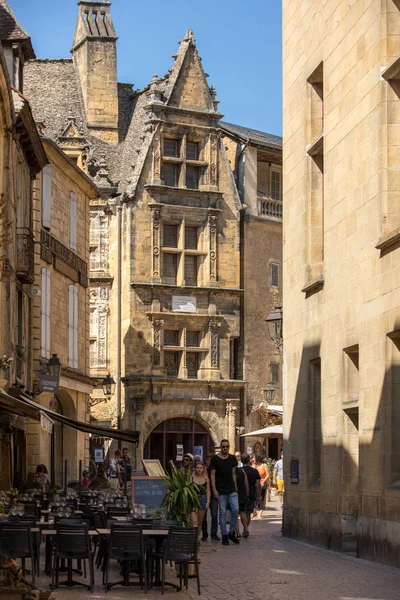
[13,495]
[2,510]
[158,514]
[182,496]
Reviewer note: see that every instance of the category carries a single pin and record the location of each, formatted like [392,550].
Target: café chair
[72,543]
[117,511]
[16,542]
[126,545]
[181,547]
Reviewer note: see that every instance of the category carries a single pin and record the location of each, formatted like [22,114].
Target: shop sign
[98,455]
[46,424]
[48,383]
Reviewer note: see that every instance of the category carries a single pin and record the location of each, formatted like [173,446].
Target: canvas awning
[266,432]
[18,407]
[125,435]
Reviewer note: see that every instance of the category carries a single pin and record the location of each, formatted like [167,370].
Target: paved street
[269,567]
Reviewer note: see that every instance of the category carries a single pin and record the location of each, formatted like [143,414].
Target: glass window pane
[192,339]
[170,236]
[170,268]
[276,185]
[192,177]
[171,361]
[192,365]
[190,270]
[171,338]
[171,148]
[274,369]
[170,175]
[192,150]
[191,238]
[274,275]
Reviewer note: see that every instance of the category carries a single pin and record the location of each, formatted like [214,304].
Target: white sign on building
[184,304]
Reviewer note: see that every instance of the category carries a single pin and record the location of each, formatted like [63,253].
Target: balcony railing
[272,209]
[25,255]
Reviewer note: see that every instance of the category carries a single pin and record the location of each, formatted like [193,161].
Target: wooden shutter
[46,196]
[73,326]
[274,275]
[72,221]
[45,313]
[274,368]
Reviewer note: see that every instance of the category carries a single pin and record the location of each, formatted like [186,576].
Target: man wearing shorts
[253,477]
[278,478]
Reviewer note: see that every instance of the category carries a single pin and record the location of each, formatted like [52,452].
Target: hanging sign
[48,383]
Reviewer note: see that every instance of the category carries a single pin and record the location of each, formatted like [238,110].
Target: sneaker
[233,538]
[215,538]
[238,535]
[225,540]
[204,539]
[245,534]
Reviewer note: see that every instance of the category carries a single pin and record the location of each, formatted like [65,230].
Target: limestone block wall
[340,332]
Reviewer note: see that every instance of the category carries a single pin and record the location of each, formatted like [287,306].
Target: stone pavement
[267,566]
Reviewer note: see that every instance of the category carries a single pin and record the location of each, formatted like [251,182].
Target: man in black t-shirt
[253,477]
[224,489]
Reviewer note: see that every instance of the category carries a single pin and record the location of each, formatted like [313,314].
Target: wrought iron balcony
[272,209]
[25,255]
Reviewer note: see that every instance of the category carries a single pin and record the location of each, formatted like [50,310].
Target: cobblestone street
[267,566]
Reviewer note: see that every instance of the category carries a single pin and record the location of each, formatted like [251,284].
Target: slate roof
[10,29]
[253,135]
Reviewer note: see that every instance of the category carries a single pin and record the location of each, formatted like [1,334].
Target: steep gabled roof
[252,135]
[11,30]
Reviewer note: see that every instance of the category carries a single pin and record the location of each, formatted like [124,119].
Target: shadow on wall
[348,495]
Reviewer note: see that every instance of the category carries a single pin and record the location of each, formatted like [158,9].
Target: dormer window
[170,174]
[192,151]
[171,148]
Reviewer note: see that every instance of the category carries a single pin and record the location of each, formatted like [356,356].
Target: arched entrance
[163,440]
[63,440]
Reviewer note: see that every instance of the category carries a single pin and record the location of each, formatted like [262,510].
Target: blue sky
[239,42]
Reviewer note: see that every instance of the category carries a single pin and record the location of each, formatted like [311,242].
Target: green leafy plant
[13,494]
[182,495]
[157,513]
[2,509]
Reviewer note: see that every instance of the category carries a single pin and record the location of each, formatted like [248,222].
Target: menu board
[149,491]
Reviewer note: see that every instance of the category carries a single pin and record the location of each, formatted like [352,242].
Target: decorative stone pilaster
[231,410]
[212,249]
[213,327]
[158,324]
[213,162]
[157,143]
[156,238]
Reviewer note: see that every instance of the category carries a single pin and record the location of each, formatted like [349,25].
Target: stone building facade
[341,275]
[22,156]
[165,249]
[60,314]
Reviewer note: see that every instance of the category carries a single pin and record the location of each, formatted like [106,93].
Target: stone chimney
[95,59]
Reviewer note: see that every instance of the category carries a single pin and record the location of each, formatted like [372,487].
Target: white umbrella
[266,432]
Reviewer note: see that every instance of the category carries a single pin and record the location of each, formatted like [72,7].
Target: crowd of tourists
[235,486]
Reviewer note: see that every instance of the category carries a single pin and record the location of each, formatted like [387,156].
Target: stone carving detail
[156,225]
[214,326]
[99,307]
[212,222]
[157,326]
[231,409]
[213,168]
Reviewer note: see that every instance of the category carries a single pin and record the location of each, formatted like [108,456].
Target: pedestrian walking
[243,494]
[213,510]
[187,463]
[126,469]
[264,477]
[253,478]
[223,482]
[237,454]
[278,478]
[114,470]
[201,478]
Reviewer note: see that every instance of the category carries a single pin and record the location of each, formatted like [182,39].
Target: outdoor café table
[49,547]
[48,512]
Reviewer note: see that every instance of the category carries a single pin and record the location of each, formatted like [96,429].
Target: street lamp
[274,322]
[108,386]
[269,392]
[54,366]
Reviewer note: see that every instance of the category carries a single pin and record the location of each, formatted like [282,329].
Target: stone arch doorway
[63,439]
[188,432]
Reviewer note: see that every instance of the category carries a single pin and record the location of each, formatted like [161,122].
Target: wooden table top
[92,532]
[151,532]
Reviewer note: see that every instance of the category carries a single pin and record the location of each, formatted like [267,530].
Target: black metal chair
[117,511]
[126,545]
[72,543]
[181,548]
[16,542]
[100,522]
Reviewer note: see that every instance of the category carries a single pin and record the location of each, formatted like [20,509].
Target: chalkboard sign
[149,491]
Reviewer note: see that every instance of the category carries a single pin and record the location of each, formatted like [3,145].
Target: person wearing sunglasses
[224,488]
